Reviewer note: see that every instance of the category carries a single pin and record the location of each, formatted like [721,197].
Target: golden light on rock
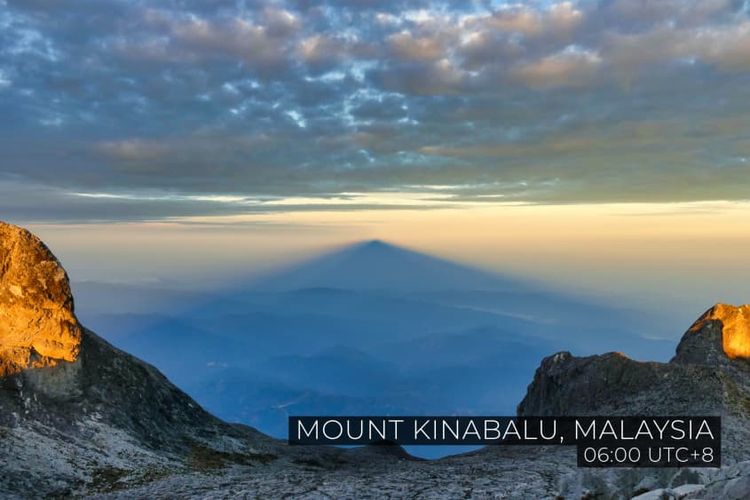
[735,322]
[38,327]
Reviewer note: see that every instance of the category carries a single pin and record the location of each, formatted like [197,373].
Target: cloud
[530,101]
[132,150]
[405,46]
[557,20]
[572,66]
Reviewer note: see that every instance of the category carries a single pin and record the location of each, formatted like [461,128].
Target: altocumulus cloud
[131,110]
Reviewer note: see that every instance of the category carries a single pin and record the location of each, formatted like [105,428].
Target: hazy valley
[369,329]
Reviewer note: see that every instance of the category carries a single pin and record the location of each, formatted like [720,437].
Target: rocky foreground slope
[79,417]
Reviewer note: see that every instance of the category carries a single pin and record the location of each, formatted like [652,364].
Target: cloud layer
[132,109]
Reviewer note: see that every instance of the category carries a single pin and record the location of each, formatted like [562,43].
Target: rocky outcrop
[612,384]
[709,375]
[38,326]
[722,333]
[68,395]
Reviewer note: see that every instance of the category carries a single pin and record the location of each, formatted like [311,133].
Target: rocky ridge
[703,378]
[73,408]
[707,376]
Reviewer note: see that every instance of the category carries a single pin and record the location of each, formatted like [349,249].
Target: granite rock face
[711,355]
[720,335]
[38,326]
[709,375]
[614,384]
[72,405]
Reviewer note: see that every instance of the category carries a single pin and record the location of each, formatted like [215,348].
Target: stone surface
[722,330]
[38,326]
[704,377]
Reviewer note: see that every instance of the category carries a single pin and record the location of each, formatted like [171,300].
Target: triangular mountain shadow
[377,265]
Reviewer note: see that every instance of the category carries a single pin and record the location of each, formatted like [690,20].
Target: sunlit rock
[38,327]
[735,328]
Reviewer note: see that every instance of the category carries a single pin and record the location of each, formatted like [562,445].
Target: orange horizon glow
[692,252]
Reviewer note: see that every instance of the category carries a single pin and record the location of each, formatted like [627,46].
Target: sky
[605,144]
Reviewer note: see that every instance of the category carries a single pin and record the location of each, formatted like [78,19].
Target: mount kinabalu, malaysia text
[501,430]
